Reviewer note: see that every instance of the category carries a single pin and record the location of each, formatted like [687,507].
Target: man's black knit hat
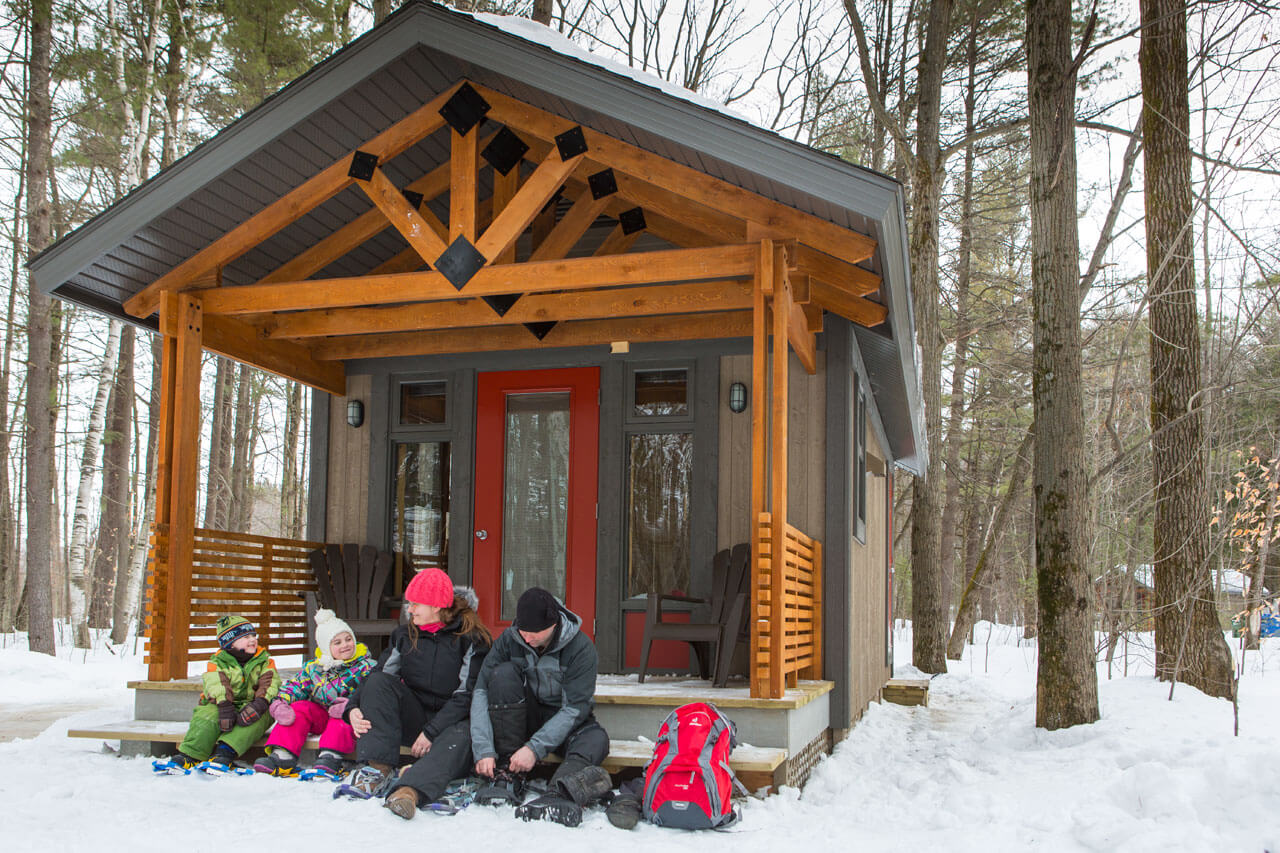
[537,610]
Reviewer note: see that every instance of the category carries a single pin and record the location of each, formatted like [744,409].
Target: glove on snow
[283,712]
[338,707]
[250,713]
[226,715]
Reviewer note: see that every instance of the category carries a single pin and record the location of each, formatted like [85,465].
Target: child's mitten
[226,715]
[338,706]
[283,712]
[250,713]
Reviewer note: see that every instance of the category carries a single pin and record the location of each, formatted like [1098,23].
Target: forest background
[895,85]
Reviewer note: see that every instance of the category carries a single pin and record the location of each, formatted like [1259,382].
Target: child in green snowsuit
[238,687]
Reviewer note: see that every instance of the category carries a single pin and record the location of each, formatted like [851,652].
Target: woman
[419,695]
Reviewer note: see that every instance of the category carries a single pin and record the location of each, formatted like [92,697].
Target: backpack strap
[672,740]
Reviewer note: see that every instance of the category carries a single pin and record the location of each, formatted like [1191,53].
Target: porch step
[751,762]
[907,691]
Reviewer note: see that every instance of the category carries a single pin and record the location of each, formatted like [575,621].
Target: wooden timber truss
[744,265]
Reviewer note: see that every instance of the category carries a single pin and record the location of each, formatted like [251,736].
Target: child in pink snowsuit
[312,702]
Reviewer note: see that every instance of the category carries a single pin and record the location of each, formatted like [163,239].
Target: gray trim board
[318,481]
[837,639]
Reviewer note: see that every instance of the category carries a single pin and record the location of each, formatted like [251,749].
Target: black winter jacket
[440,669]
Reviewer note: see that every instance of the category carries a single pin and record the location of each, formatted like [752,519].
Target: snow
[969,772]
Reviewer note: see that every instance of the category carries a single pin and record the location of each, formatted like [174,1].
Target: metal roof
[417,52]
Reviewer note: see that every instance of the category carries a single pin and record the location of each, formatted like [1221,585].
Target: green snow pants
[203,733]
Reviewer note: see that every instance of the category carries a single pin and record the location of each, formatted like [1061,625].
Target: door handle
[482,535]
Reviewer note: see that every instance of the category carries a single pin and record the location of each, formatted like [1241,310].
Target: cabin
[565,325]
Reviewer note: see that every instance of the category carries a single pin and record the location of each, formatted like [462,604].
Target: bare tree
[1066,679]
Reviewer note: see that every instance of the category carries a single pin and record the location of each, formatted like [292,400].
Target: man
[535,695]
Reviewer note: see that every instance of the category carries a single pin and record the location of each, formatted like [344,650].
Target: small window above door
[660,392]
[423,403]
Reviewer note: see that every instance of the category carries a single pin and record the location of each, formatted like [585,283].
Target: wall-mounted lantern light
[737,398]
[355,413]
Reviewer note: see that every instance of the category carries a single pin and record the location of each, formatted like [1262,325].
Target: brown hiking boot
[403,802]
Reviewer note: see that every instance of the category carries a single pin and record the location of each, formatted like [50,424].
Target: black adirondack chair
[713,641]
[352,582]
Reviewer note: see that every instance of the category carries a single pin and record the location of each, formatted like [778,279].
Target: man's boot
[587,785]
[402,802]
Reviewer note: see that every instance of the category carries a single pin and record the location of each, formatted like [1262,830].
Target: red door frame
[492,388]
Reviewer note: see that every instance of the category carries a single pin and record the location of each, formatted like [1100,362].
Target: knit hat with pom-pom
[431,587]
[328,626]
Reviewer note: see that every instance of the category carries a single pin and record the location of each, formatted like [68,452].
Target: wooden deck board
[907,691]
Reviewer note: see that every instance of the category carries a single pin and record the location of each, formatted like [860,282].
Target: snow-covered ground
[970,772]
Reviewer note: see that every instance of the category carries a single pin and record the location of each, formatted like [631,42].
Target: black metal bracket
[465,109]
[631,220]
[541,330]
[502,302]
[602,184]
[413,197]
[459,262]
[572,143]
[505,151]
[362,165]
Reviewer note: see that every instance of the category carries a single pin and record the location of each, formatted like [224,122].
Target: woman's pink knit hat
[431,587]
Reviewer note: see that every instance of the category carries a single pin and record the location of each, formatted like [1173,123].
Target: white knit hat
[328,626]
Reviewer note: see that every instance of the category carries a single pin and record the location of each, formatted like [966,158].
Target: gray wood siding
[347,503]
[868,670]
[806,442]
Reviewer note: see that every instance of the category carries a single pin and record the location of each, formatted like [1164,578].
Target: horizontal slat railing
[259,577]
[797,617]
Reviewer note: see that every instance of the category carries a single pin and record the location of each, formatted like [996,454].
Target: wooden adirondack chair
[713,641]
[352,582]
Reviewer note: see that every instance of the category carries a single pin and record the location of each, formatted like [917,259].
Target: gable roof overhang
[417,53]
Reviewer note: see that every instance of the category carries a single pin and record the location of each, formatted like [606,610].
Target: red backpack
[688,782]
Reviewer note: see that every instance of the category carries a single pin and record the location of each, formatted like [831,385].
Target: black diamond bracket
[459,262]
[631,220]
[602,184]
[362,165]
[571,143]
[413,197]
[540,330]
[501,303]
[465,109]
[505,151]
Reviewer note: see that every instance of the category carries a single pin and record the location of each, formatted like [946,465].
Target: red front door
[537,442]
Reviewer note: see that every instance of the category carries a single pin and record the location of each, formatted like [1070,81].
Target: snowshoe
[460,794]
[553,806]
[366,783]
[506,788]
[319,774]
[219,767]
[280,762]
[178,765]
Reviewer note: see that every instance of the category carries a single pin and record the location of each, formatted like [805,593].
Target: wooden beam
[798,335]
[160,633]
[672,265]
[359,230]
[187,321]
[569,230]
[240,341]
[779,416]
[417,232]
[292,206]
[687,182]
[464,180]
[719,226]
[850,278]
[864,312]
[537,190]
[759,402]
[505,188]
[617,242]
[686,298]
[730,324]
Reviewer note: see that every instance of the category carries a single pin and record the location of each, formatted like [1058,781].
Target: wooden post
[160,628]
[759,426]
[184,326]
[464,163]
[778,474]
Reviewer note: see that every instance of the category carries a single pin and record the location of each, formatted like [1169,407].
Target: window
[423,403]
[420,503]
[660,480]
[661,393]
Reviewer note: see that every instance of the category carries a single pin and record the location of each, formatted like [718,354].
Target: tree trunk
[38,597]
[1066,679]
[218,484]
[966,614]
[9,563]
[929,610]
[290,485]
[78,560]
[1189,642]
[111,556]
[541,12]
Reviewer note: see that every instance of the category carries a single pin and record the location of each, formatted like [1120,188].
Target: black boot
[586,786]
[625,810]
[553,806]
[505,788]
